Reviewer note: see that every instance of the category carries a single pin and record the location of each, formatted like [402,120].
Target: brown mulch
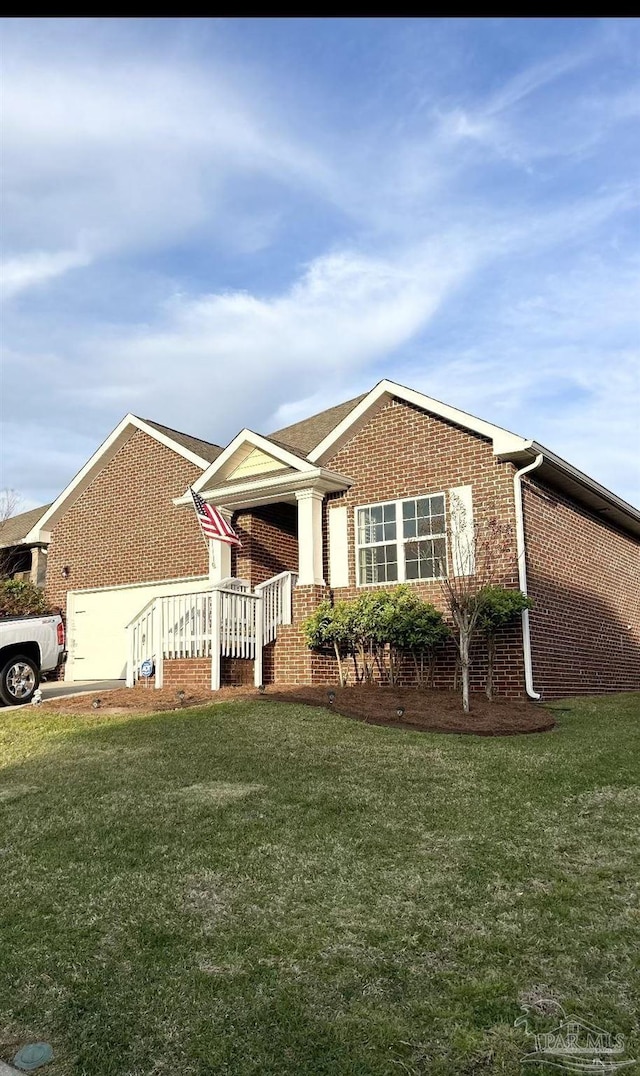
[437,711]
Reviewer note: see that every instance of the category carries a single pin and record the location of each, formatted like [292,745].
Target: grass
[270,889]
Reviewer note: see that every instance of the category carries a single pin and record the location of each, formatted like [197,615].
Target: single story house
[358,496]
[22,557]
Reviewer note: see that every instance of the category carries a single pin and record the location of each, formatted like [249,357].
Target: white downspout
[522,573]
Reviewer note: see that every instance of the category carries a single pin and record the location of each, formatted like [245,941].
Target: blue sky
[228,223]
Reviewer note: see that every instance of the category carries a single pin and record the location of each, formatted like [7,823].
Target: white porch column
[219,560]
[310,537]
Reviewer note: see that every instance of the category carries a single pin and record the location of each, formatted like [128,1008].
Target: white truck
[29,647]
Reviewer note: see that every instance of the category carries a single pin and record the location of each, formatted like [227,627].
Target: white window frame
[400,540]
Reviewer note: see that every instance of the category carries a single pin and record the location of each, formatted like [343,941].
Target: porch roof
[270,488]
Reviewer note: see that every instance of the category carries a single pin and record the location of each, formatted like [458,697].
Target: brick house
[357,496]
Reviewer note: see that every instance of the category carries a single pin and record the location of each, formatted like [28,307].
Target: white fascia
[267,490]
[41,532]
[504,442]
[254,440]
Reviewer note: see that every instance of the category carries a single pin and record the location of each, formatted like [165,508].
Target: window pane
[376,524]
[425,559]
[440,555]
[409,528]
[378,565]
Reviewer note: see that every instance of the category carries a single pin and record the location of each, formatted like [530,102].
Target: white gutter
[522,573]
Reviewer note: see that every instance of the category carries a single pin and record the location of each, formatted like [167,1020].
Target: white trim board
[504,442]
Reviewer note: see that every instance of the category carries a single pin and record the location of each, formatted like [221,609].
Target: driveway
[54,689]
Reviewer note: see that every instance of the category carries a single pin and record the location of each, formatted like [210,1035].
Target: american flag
[213,523]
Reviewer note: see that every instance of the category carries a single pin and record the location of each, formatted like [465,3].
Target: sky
[225,223]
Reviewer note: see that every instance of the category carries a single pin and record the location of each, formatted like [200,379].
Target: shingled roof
[14,529]
[302,437]
[205,449]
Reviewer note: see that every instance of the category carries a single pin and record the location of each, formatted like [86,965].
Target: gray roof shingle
[14,529]
[205,449]
[302,437]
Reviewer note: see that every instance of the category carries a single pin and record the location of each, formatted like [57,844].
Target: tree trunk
[355,666]
[341,675]
[431,675]
[464,668]
[491,657]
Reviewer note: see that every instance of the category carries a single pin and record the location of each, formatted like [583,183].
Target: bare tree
[9,504]
[477,552]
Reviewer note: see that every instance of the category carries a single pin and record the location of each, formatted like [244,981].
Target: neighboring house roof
[204,449]
[305,435]
[14,530]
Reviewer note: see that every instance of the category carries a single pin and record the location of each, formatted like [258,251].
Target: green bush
[376,629]
[19,597]
[499,608]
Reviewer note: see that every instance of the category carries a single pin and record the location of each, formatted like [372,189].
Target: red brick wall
[190,674]
[293,662]
[124,528]
[583,576]
[269,537]
[402,452]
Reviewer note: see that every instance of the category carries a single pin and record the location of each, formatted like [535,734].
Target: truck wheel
[18,680]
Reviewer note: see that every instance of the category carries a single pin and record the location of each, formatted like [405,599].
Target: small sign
[146,669]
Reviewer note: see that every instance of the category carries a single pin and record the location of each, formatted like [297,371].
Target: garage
[97,621]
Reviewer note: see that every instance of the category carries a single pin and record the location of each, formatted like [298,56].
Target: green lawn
[273,889]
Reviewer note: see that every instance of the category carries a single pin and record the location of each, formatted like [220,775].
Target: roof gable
[249,455]
[103,456]
[504,442]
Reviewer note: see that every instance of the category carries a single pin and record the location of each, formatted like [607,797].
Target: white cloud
[244,354]
[134,155]
[28,270]
[429,257]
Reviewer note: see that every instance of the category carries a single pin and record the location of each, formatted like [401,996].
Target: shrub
[20,597]
[375,629]
[498,608]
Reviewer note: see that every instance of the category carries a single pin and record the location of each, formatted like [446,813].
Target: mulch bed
[433,711]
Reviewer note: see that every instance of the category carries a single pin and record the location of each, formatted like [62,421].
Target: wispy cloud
[28,270]
[192,233]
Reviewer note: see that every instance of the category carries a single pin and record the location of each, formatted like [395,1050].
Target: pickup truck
[29,647]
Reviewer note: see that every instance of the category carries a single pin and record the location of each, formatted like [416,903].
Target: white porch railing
[225,621]
[277,597]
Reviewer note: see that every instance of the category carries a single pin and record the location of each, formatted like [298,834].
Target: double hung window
[401,541]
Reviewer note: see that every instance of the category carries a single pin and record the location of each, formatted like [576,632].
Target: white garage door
[96,623]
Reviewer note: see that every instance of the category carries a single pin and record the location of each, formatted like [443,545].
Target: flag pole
[211,561]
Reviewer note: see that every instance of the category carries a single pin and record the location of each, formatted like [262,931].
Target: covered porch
[257,592]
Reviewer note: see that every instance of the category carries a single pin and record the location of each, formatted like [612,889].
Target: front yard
[273,889]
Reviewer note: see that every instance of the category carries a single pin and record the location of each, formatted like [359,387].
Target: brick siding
[584,577]
[269,537]
[403,452]
[124,527]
